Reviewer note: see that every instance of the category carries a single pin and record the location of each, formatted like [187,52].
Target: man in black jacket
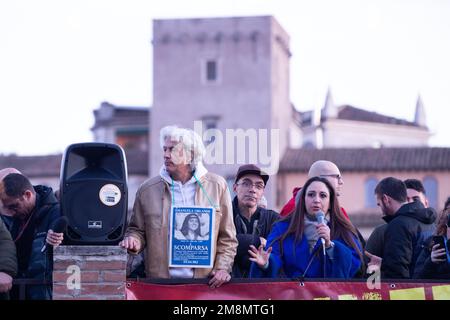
[415,191]
[253,223]
[409,225]
[31,210]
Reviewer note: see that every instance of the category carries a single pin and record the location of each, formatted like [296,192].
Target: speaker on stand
[94,193]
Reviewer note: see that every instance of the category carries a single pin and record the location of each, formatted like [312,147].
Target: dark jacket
[375,243]
[264,219]
[32,263]
[426,269]
[8,259]
[404,238]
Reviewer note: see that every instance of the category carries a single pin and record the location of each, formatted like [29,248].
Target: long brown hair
[340,226]
[441,225]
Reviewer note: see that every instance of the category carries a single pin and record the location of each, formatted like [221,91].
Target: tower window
[211,70]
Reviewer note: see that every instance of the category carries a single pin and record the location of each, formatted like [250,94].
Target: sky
[59,59]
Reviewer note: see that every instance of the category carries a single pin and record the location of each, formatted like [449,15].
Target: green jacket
[8,259]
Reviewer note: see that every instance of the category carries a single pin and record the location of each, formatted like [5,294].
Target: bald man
[320,168]
[6,171]
[328,170]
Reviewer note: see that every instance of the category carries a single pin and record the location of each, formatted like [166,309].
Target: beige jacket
[150,224]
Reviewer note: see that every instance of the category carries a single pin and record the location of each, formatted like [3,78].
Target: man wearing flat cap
[253,223]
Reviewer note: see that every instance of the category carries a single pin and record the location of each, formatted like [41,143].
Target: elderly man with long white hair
[183,181]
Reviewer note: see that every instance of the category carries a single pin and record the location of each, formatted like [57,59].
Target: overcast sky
[59,59]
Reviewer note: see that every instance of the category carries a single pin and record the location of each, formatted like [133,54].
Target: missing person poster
[191,237]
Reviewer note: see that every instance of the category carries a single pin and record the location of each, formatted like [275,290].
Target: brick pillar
[89,273]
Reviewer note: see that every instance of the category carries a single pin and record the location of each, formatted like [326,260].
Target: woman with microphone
[306,245]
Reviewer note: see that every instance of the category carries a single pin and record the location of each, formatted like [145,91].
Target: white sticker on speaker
[110,195]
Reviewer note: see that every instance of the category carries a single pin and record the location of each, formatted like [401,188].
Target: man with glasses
[253,223]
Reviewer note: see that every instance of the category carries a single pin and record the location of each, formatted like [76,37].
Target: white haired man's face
[175,157]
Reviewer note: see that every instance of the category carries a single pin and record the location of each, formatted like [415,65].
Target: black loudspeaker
[94,194]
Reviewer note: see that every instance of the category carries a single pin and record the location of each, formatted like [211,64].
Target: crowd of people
[311,237]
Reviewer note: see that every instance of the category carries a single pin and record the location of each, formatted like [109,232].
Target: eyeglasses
[247,184]
[337,176]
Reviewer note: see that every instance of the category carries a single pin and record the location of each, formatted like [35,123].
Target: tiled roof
[49,165]
[33,166]
[347,112]
[369,159]
[356,114]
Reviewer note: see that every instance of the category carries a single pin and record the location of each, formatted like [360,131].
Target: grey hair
[191,141]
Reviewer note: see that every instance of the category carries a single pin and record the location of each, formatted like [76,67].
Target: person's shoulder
[272,214]
[403,220]
[150,183]
[399,224]
[380,228]
[215,179]
[281,225]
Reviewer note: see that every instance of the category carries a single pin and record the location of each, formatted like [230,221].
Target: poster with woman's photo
[191,237]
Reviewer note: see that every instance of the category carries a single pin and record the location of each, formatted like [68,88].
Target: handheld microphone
[58,226]
[320,216]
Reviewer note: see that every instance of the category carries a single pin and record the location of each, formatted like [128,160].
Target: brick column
[89,273]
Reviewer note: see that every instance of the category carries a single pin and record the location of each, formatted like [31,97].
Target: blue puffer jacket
[343,263]
[34,264]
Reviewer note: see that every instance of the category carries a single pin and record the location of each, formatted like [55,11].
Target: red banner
[290,291]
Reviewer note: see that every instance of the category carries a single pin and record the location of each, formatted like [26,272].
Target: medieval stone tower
[228,74]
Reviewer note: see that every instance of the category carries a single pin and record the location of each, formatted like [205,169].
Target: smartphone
[439,240]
